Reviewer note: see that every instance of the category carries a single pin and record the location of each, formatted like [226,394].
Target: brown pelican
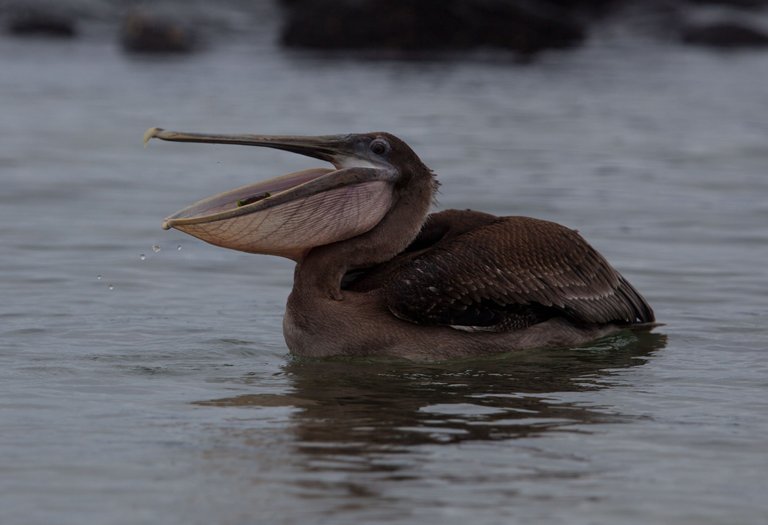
[377,275]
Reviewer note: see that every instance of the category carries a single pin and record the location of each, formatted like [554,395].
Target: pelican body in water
[376,274]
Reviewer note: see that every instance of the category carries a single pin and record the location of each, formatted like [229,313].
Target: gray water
[158,389]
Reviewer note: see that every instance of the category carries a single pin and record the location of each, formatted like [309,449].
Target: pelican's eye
[380,147]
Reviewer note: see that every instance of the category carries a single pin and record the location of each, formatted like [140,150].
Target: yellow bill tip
[150,134]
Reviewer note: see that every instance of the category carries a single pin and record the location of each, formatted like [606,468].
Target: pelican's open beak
[291,214]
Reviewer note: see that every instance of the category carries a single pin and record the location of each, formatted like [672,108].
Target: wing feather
[507,273]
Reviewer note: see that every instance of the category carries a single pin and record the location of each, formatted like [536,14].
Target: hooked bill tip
[150,134]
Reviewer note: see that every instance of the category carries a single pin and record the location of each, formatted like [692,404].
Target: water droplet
[98,277]
[111,286]
[155,248]
[178,248]
[142,256]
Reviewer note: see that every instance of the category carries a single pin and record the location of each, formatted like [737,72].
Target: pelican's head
[291,214]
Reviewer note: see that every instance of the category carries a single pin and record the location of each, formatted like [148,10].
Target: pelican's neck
[323,267]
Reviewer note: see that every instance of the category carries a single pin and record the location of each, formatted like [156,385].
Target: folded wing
[507,273]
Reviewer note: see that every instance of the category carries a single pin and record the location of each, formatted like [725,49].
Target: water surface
[143,374]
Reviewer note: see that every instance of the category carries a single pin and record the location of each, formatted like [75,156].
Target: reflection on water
[348,407]
[385,439]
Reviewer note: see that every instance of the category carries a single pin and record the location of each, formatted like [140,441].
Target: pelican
[377,275]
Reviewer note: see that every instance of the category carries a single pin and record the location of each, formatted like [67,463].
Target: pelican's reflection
[358,430]
[353,407]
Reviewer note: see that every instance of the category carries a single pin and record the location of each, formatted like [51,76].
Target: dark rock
[146,33]
[39,21]
[586,6]
[424,25]
[738,4]
[724,35]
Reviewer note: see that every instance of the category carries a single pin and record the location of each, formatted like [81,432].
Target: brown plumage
[474,271]
[376,275]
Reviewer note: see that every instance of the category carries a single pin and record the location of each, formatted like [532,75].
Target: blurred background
[143,374]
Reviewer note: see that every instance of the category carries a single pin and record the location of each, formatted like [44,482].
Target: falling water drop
[142,256]
[178,248]
[98,277]
[155,248]
[111,286]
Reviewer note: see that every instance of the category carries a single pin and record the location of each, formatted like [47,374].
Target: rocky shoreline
[522,27]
